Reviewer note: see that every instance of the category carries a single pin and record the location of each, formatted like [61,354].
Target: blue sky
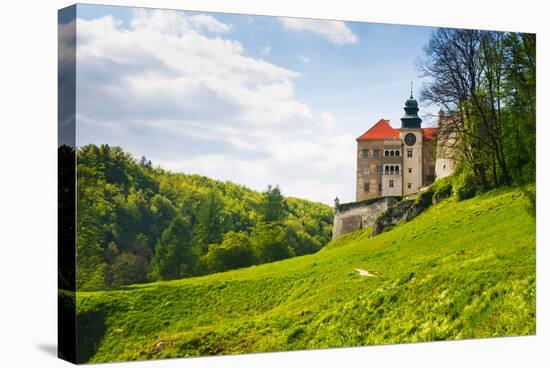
[253,99]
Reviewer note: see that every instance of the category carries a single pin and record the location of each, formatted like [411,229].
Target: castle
[399,162]
[394,163]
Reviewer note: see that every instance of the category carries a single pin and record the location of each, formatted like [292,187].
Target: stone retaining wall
[359,216]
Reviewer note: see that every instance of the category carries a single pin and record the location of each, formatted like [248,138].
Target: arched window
[392,153]
[397,153]
[397,169]
[392,169]
[387,169]
[386,153]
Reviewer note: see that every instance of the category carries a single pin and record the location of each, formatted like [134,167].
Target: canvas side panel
[66,190]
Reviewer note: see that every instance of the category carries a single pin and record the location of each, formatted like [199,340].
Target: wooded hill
[137,223]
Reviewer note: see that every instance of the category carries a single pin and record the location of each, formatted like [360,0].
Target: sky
[256,100]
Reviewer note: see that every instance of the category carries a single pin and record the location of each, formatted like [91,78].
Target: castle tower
[446,145]
[395,162]
[411,120]
[412,135]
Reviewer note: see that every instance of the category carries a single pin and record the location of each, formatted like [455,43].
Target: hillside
[138,223]
[459,270]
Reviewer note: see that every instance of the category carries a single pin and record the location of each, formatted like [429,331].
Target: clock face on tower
[410,139]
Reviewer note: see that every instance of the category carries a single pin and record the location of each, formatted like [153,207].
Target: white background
[28,184]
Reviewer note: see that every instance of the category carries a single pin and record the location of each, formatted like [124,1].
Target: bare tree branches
[471,77]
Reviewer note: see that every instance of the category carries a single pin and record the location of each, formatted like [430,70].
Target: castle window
[366,187]
[367,171]
[409,185]
[376,153]
[391,183]
[397,153]
[392,153]
[410,170]
[409,153]
[387,169]
[392,169]
[365,153]
[386,153]
[379,169]
[379,187]
[397,169]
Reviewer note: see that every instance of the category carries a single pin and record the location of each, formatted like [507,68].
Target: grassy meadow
[459,270]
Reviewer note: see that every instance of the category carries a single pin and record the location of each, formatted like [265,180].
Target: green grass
[459,270]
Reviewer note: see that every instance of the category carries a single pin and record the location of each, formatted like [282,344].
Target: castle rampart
[353,216]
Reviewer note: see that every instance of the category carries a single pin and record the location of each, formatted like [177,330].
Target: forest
[138,223]
[484,82]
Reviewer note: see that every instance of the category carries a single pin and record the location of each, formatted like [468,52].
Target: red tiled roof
[379,131]
[429,133]
[383,130]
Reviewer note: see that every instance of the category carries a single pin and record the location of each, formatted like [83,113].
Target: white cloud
[209,23]
[265,50]
[197,104]
[334,31]
[172,22]
[303,59]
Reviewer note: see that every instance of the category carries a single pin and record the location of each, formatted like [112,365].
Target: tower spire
[411,118]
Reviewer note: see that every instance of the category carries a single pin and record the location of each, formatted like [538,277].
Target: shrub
[234,252]
[270,242]
[465,186]
[443,188]
[126,269]
[424,199]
